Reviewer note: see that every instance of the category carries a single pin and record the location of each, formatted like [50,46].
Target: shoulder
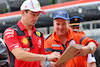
[10,29]
[75,30]
[9,33]
[82,32]
[78,31]
[14,26]
[48,37]
[13,30]
[38,33]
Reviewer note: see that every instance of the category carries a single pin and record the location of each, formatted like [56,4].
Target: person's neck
[63,39]
[28,27]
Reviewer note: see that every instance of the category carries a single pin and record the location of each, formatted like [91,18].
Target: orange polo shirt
[53,43]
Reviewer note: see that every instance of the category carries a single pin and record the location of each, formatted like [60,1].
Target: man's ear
[53,22]
[22,12]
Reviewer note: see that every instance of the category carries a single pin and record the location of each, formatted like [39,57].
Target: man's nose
[60,26]
[36,17]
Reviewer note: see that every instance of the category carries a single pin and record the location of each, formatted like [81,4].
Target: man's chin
[61,34]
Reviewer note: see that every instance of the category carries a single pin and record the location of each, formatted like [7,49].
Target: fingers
[86,49]
[79,52]
[57,54]
[52,64]
[54,55]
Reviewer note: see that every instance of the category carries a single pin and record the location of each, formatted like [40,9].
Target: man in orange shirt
[63,36]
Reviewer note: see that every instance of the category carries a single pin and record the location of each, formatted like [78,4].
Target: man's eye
[63,24]
[33,14]
[58,24]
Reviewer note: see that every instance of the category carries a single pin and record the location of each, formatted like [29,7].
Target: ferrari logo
[38,33]
[38,4]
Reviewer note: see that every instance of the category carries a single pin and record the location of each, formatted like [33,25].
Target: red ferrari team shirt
[17,36]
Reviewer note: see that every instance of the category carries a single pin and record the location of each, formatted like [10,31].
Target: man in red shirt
[63,36]
[25,45]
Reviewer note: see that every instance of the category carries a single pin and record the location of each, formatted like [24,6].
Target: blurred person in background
[3,54]
[75,23]
[63,36]
[97,55]
[25,45]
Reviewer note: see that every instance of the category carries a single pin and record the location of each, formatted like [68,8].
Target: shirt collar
[22,27]
[70,34]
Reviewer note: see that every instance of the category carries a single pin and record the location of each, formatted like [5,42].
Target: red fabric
[12,40]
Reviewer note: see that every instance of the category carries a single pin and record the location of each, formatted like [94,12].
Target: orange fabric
[53,43]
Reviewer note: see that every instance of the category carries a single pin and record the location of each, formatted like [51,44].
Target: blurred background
[89,10]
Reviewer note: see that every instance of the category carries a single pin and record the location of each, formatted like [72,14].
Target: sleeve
[48,47]
[84,40]
[11,39]
[87,40]
[90,58]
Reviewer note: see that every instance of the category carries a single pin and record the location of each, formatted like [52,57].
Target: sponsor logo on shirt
[55,45]
[9,33]
[38,33]
[26,49]
[24,41]
[40,43]
[14,45]
[72,42]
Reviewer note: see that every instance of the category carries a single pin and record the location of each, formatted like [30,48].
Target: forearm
[93,45]
[86,49]
[27,56]
[91,64]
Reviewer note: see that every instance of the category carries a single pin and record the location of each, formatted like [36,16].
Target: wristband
[47,57]
[91,48]
[46,64]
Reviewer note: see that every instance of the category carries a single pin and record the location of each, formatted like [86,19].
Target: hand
[52,64]
[41,64]
[83,51]
[54,55]
[86,50]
